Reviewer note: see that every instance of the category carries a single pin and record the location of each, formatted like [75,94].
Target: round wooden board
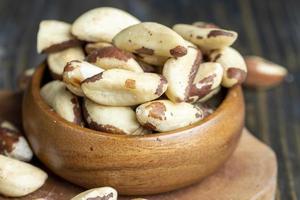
[251,172]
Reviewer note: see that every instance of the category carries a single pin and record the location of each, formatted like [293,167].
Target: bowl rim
[35,86]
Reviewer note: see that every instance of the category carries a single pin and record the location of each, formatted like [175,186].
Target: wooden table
[268,28]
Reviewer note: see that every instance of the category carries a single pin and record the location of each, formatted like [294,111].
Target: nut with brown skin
[263,73]
[90,47]
[75,72]
[110,119]
[63,102]
[235,70]
[55,36]
[152,39]
[102,24]
[207,78]
[57,61]
[210,94]
[206,38]
[113,57]
[118,87]
[103,193]
[25,78]
[180,73]
[18,178]
[164,115]
[13,144]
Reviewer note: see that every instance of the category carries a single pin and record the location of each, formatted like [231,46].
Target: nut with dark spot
[77,71]
[206,38]
[13,144]
[164,115]
[113,57]
[180,74]
[112,90]
[235,70]
[151,39]
[102,193]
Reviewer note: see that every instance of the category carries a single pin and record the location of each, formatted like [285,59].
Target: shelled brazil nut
[136,78]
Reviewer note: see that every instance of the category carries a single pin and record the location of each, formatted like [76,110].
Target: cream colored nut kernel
[102,24]
[13,144]
[105,193]
[75,72]
[152,39]
[113,57]
[180,73]
[201,24]
[18,178]
[235,70]
[55,36]
[152,59]
[90,47]
[210,95]
[263,73]
[57,61]
[110,119]
[207,78]
[118,87]
[164,115]
[206,38]
[64,103]
[25,78]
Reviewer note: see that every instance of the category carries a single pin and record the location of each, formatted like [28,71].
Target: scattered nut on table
[13,144]
[105,193]
[263,73]
[18,178]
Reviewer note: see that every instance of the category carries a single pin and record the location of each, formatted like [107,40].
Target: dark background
[269,28]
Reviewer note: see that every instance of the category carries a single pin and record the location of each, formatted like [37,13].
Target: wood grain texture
[267,28]
[149,164]
[249,174]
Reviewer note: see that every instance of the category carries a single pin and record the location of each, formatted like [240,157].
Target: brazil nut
[103,193]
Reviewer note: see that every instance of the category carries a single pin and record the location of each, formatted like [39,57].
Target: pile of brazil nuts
[115,74]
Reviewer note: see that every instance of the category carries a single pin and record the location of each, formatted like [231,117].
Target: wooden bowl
[137,165]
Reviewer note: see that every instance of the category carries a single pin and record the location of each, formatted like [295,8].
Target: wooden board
[251,172]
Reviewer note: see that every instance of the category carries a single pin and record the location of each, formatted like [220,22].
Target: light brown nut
[235,70]
[118,87]
[201,24]
[113,57]
[18,178]
[55,36]
[13,144]
[110,119]
[57,61]
[103,193]
[152,39]
[164,115]
[102,24]
[64,103]
[152,59]
[25,78]
[90,47]
[180,73]
[210,94]
[208,77]
[206,38]
[263,73]
[75,72]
